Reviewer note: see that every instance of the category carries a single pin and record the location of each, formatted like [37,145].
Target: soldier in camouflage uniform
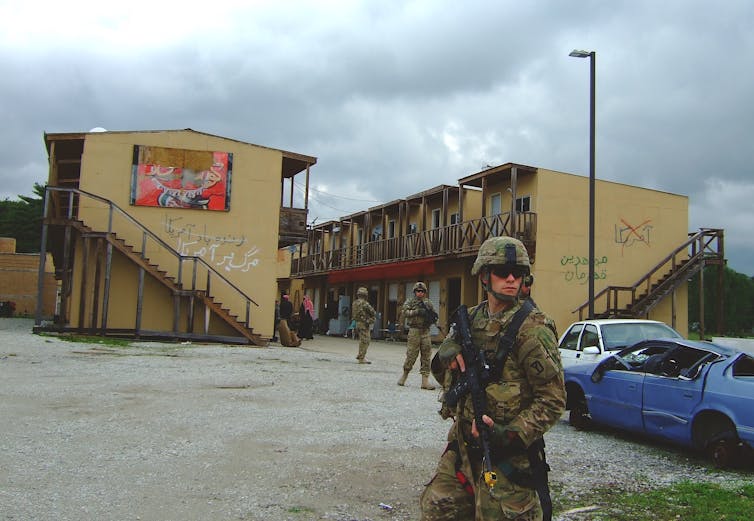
[364,315]
[526,285]
[420,314]
[524,402]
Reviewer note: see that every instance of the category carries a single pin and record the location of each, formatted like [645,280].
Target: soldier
[420,314]
[525,397]
[364,315]
[526,285]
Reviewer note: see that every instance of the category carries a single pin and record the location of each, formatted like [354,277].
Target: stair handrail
[197,260]
[697,253]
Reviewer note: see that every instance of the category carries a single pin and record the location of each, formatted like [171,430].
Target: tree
[738,301]
[22,220]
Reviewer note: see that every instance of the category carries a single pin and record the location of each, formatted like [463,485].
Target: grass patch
[84,339]
[689,501]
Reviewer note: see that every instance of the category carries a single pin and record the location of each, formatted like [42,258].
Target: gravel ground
[159,431]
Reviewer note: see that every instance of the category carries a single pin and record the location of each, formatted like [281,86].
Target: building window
[377,232]
[495,204]
[523,204]
[436,218]
[412,228]
[391,229]
[455,218]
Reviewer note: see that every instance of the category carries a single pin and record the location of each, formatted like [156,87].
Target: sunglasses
[504,271]
[420,291]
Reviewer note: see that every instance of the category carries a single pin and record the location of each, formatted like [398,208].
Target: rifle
[472,381]
[428,314]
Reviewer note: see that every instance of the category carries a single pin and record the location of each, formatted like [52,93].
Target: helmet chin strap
[485,278]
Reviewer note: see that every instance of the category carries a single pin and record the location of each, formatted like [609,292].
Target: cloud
[397,97]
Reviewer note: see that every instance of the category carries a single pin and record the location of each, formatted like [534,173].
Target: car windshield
[618,336]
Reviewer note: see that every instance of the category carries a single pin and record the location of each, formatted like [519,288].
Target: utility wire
[337,196]
[319,201]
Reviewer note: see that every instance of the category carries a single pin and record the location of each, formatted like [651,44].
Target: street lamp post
[592,59]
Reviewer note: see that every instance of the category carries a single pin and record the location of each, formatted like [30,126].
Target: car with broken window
[592,340]
[693,393]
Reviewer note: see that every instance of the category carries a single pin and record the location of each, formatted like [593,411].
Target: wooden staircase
[189,279]
[636,301]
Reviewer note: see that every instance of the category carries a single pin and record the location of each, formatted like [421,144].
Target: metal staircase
[636,301]
[190,281]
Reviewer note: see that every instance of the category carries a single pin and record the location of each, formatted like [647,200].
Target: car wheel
[724,451]
[579,415]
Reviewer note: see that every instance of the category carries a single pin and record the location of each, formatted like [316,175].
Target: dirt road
[208,432]
[166,431]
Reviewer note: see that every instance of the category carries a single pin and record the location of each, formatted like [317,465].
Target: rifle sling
[508,339]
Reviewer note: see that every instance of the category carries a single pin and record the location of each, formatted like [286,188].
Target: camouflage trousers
[365,336]
[446,499]
[418,342]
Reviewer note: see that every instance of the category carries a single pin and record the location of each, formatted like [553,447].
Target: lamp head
[579,54]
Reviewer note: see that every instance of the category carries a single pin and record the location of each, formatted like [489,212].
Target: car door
[569,344]
[670,399]
[616,398]
[590,337]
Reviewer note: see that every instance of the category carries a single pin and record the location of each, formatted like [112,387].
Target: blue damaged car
[696,394]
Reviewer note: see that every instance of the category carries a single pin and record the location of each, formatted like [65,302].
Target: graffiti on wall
[177,178]
[627,235]
[577,268]
[192,239]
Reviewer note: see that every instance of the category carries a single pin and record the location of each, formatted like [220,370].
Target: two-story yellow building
[169,234]
[644,254]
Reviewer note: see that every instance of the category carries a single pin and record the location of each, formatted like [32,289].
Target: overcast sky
[397,97]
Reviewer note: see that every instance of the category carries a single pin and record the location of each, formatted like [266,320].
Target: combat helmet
[497,251]
[501,251]
[420,285]
[362,292]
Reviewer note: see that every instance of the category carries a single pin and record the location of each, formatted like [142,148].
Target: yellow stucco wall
[240,243]
[19,282]
[635,228]
[472,204]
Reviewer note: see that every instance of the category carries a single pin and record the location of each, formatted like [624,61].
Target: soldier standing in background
[364,315]
[526,288]
[526,285]
[524,394]
[420,314]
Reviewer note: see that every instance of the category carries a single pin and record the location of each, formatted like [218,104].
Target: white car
[592,340]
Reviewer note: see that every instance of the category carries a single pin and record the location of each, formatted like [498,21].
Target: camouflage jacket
[416,312]
[363,313]
[530,395]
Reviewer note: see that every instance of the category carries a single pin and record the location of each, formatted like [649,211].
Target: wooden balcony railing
[454,240]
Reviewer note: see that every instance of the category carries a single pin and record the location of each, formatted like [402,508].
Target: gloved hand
[506,436]
[501,435]
[448,351]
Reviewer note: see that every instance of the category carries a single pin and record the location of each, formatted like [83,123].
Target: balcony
[457,240]
[292,226]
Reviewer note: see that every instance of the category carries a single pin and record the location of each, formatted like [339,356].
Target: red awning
[394,270]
